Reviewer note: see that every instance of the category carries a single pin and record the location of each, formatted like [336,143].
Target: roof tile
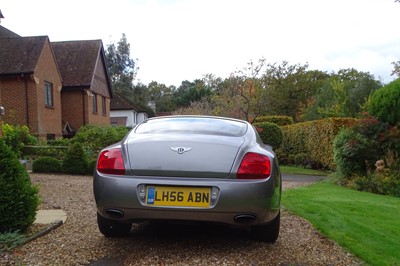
[77,61]
[20,55]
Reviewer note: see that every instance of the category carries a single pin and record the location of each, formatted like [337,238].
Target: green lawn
[366,224]
[301,171]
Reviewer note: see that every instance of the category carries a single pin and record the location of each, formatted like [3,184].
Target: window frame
[94,103]
[103,105]
[48,94]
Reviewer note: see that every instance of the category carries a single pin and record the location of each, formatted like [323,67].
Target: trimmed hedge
[270,133]
[58,152]
[46,164]
[312,142]
[280,120]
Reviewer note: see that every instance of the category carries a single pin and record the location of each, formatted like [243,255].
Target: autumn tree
[289,88]
[241,95]
[251,90]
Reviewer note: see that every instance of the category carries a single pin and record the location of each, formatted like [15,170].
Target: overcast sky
[176,40]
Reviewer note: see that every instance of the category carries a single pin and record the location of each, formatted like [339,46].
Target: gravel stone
[79,242]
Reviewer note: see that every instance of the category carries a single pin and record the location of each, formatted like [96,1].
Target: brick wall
[13,95]
[98,118]
[49,119]
[23,98]
[73,106]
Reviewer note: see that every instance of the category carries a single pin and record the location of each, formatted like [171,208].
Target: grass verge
[364,223]
[301,171]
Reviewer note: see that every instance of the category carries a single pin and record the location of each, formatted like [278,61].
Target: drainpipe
[26,100]
[83,105]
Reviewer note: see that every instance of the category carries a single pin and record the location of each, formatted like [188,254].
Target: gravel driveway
[78,241]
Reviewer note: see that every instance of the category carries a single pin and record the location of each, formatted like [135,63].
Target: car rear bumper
[239,202]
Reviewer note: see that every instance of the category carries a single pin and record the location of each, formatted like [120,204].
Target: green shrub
[19,199]
[58,142]
[351,153]
[94,138]
[270,133]
[91,166]
[300,159]
[280,120]
[357,149]
[16,137]
[385,103]
[386,183]
[44,151]
[76,160]
[47,165]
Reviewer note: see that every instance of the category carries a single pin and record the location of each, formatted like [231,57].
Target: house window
[103,105]
[48,94]
[94,103]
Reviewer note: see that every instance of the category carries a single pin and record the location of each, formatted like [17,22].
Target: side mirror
[2,110]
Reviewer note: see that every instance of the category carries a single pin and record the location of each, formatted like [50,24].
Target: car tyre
[111,228]
[267,233]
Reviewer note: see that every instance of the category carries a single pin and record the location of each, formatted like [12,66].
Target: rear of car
[191,168]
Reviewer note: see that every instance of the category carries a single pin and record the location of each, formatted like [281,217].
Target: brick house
[53,88]
[86,90]
[4,33]
[30,85]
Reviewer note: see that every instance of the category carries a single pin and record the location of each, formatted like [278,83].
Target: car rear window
[193,125]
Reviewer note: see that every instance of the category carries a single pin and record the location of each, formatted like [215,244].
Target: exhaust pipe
[115,213]
[245,218]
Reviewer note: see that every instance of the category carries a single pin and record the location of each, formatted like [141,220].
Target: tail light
[254,166]
[111,162]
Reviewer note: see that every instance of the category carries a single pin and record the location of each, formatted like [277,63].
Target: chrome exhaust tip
[115,213]
[245,218]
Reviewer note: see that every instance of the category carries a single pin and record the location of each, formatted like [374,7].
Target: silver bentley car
[189,168]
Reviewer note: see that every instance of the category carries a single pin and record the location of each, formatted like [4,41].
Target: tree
[162,96]
[396,67]
[344,94]
[226,101]
[120,66]
[189,92]
[241,95]
[339,100]
[251,91]
[202,107]
[290,88]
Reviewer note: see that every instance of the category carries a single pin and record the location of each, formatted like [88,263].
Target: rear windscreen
[193,125]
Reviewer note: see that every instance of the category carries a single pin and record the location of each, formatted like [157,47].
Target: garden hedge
[312,141]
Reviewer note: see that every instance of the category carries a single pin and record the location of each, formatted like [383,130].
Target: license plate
[178,196]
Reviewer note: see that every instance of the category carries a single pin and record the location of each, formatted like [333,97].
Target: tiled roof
[77,61]
[119,102]
[20,55]
[7,33]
